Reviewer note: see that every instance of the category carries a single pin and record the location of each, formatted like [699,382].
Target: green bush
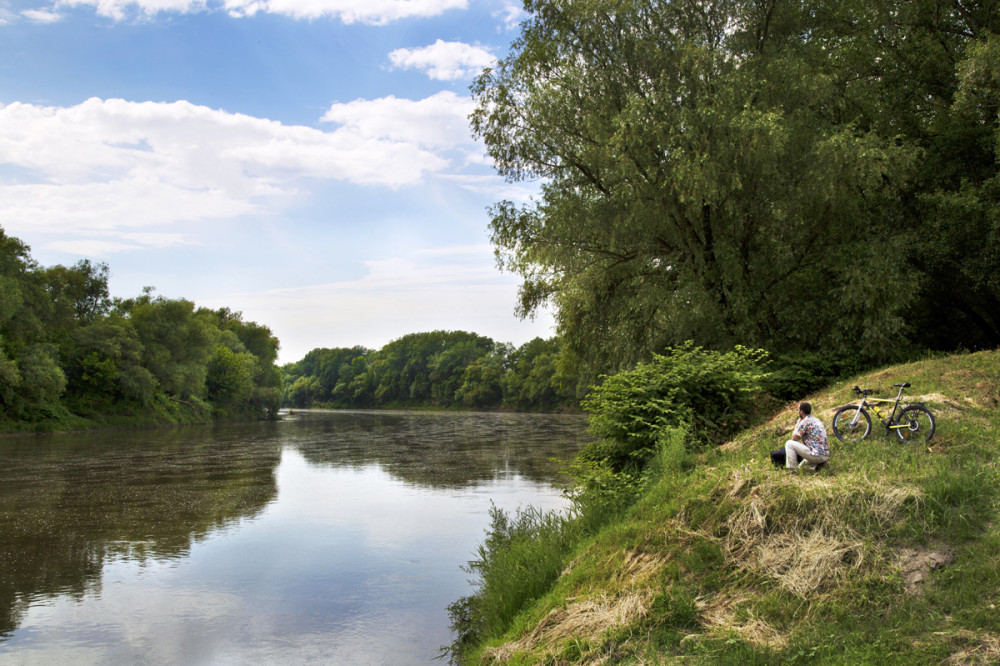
[710,393]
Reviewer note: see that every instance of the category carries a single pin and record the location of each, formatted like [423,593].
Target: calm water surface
[328,537]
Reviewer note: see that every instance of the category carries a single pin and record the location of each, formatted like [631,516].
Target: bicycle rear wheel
[915,424]
[851,424]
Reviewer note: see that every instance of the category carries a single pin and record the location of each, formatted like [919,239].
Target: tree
[482,380]
[104,368]
[737,171]
[229,378]
[177,343]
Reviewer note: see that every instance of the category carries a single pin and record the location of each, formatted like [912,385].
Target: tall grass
[524,553]
[887,556]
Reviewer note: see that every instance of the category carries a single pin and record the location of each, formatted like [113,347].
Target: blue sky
[306,162]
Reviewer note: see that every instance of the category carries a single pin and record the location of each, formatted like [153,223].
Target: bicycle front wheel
[915,424]
[851,424]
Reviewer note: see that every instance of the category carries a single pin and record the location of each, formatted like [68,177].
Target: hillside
[888,555]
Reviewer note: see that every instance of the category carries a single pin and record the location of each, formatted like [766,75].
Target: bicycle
[913,423]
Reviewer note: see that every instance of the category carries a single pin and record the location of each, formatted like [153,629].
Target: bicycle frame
[890,422]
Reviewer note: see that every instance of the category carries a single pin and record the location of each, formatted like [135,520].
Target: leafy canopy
[788,175]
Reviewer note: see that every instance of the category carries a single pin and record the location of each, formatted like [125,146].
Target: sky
[308,163]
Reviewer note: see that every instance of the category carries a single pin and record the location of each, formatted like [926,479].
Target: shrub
[711,394]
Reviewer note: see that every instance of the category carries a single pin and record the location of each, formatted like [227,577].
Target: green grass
[729,560]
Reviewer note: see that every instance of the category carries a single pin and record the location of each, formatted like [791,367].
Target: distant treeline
[437,369]
[71,355]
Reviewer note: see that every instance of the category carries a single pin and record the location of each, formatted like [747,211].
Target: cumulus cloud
[438,121]
[127,167]
[444,61]
[376,12]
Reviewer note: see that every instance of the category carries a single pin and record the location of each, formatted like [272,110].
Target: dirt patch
[916,565]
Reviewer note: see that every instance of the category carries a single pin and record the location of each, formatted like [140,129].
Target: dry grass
[587,619]
[812,545]
[721,614]
[985,649]
[584,620]
[803,563]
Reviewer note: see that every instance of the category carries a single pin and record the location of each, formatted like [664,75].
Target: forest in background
[437,369]
[72,356]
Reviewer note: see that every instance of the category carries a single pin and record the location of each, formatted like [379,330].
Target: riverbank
[885,556]
[161,411]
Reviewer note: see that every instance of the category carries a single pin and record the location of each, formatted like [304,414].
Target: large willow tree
[793,175]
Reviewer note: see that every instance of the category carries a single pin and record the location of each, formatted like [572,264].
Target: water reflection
[320,538]
[438,449]
[68,504]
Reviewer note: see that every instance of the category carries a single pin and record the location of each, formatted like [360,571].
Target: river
[333,537]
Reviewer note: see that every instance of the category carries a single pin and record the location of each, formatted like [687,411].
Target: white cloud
[439,121]
[98,247]
[39,16]
[115,166]
[92,247]
[449,288]
[376,12]
[496,188]
[512,14]
[444,61]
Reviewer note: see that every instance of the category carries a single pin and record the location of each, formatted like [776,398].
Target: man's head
[805,409]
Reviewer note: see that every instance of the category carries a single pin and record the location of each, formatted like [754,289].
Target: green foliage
[792,376]
[482,380]
[42,380]
[177,342]
[229,378]
[710,393]
[778,175]
[70,356]
[436,369]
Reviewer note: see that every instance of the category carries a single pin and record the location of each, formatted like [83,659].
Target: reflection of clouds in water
[350,554]
[148,623]
[371,503]
[87,500]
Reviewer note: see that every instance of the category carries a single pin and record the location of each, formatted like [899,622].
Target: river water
[327,537]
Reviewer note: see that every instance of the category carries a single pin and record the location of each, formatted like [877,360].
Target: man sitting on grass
[808,442]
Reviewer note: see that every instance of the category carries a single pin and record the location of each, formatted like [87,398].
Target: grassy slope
[889,555]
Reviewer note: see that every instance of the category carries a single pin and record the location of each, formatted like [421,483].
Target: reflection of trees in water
[71,503]
[439,449]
